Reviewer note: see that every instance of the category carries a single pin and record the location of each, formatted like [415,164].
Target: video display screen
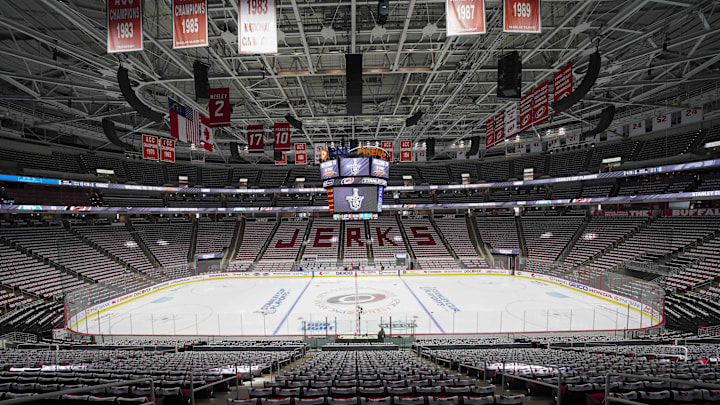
[359,199]
[353,167]
[380,168]
[329,169]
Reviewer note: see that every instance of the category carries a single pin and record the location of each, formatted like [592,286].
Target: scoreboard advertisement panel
[357,199]
[353,167]
[329,169]
[380,168]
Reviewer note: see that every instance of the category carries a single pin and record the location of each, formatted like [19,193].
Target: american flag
[184,123]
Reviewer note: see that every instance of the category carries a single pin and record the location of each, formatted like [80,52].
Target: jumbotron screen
[354,200]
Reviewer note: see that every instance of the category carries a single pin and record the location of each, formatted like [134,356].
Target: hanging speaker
[109,129]
[588,82]
[294,122]
[474,146]
[133,100]
[354,83]
[410,121]
[235,152]
[606,118]
[430,151]
[509,77]
[202,85]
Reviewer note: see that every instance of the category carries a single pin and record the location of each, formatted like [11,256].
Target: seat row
[388,400]
[367,391]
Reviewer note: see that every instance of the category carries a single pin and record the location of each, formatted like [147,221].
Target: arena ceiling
[57,81]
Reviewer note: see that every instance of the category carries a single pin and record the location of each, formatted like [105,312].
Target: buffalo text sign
[219,107]
[255,139]
[124,25]
[465,17]
[521,16]
[257,24]
[189,23]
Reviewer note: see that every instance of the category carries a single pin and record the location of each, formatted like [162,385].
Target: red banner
[150,147]
[255,139]
[281,132]
[189,23]
[219,107]
[563,82]
[635,213]
[167,150]
[522,16]
[283,160]
[490,133]
[124,25]
[540,103]
[499,127]
[405,145]
[526,112]
[406,155]
[465,17]
[388,146]
[300,154]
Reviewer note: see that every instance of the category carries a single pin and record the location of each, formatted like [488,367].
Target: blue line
[293,306]
[423,306]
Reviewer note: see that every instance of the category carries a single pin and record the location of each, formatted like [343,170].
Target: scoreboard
[355,184]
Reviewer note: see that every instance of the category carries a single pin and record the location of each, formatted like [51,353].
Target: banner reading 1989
[124,25]
[189,23]
[257,22]
[521,16]
[465,17]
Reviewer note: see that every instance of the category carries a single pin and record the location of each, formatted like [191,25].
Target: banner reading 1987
[124,25]
[257,22]
[465,17]
[189,23]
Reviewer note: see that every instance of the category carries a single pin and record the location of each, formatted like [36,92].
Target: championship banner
[300,154]
[540,103]
[281,132]
[615,133]
[511,121]
[420,156]
[124,26]
[464,17]
[319,148]
[662,122]
[691,115]
[406,151]
[255,139]
[572,139]
[637,128]
[388,146]
[563,82]
[219,107]
[167,150]
[490,133]
[283,160]
[257,22]
[522,16]
[189,23]
[526,112]
[150,147]
[499,127]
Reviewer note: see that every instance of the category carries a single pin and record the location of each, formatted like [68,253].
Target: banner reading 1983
[257,22]
[521,16]
[124,25]
[189,23]
[465,17]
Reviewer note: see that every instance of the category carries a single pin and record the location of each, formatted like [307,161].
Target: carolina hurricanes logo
[354,168]
[355,200]
[540,112]
[525,119]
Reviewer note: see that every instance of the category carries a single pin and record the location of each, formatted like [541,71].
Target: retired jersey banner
[691,115]
[563,82]
[465,17]
[257,22]
[300,154]
[150,147]
[124,25]
[255,139]
[637,128]
[526,112]
[540,103]
[219,107]
[189,23]
[490,133]
[388,146]
[522,16]
[511,121]
[662,122]
[499,127]
[281,132]
[167,150]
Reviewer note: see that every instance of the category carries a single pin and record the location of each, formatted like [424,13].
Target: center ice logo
[343,301]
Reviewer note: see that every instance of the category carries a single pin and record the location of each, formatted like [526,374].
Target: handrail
[609,399]
[90,388]
[544,384]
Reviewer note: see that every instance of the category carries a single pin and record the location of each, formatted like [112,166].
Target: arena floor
[460,304]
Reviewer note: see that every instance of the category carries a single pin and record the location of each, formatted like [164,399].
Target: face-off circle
[343,301]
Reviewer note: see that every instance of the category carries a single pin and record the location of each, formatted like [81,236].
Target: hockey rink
[449,304]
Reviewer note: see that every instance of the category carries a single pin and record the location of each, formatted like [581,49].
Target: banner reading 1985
[189,23]
[465,17]
[124,25]
[257,22]
[521,16]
